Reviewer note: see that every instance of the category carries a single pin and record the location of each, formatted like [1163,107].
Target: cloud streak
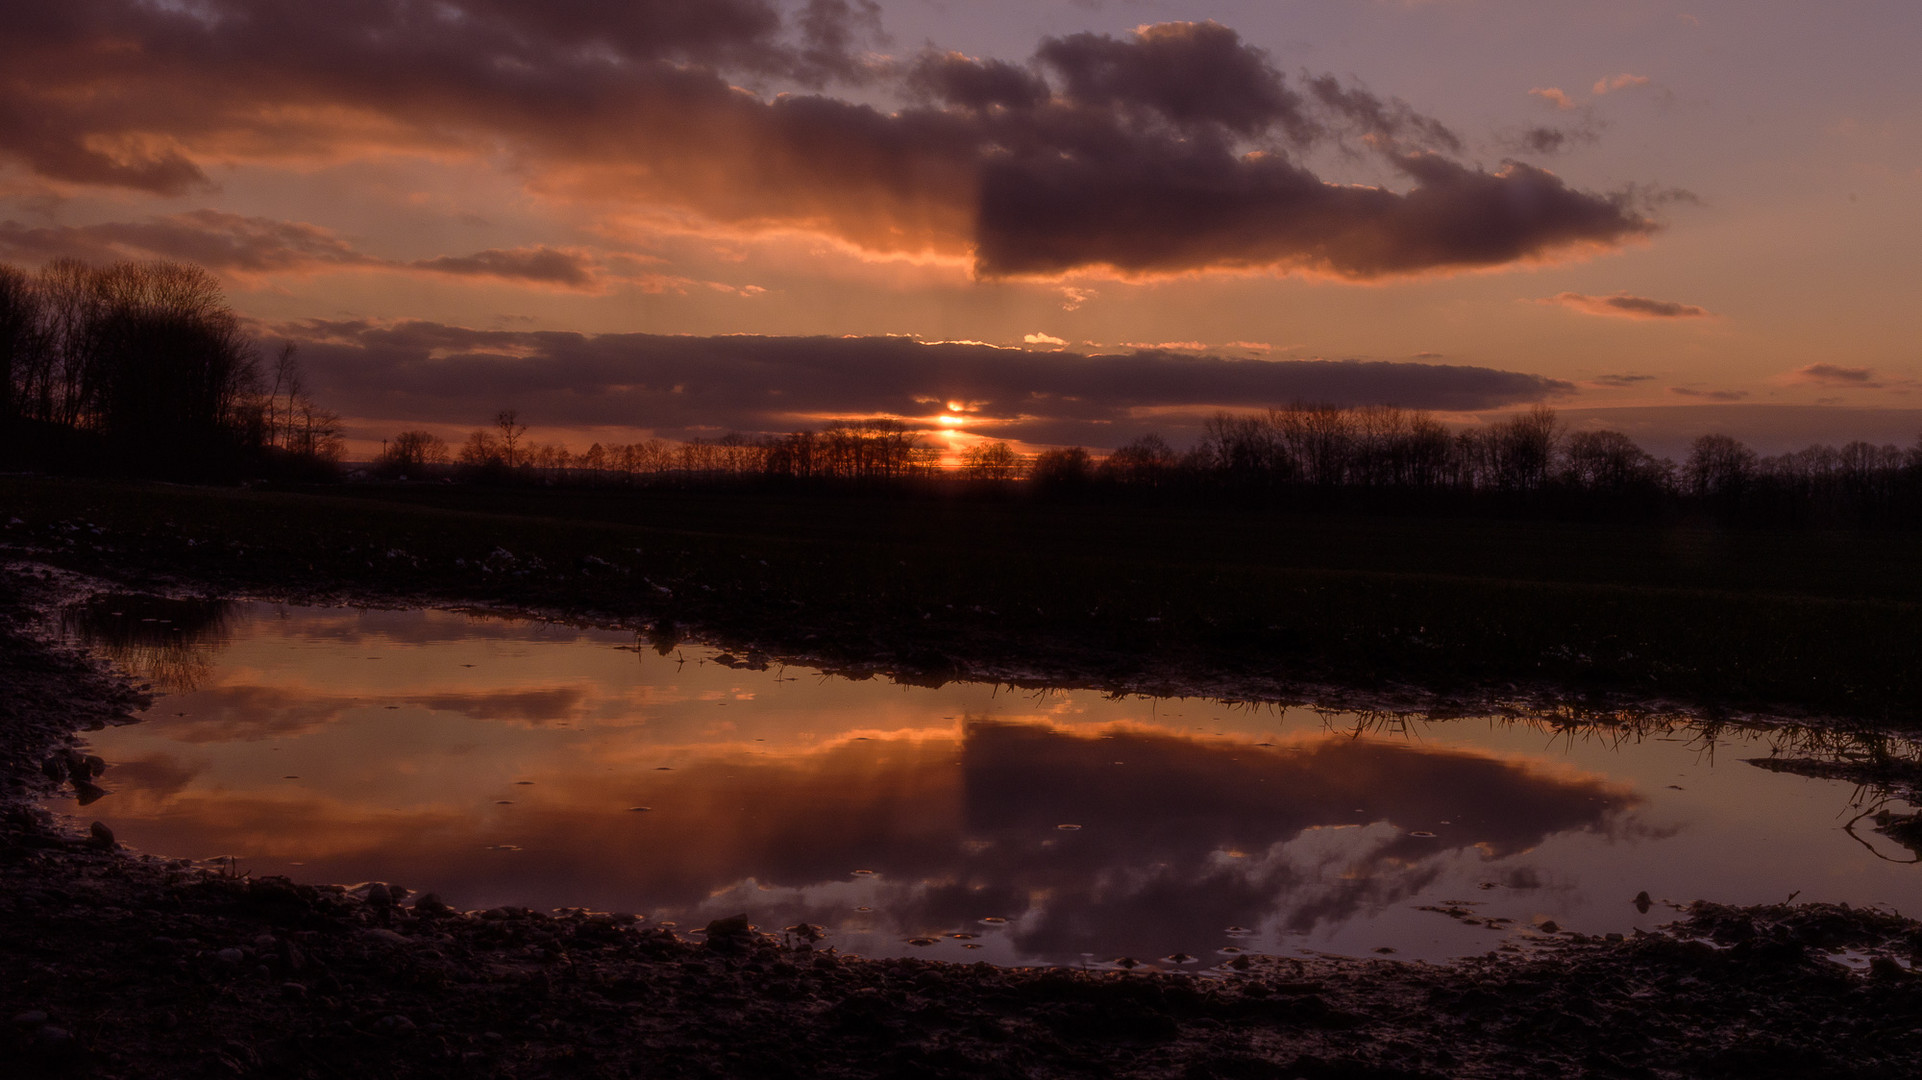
[1835,375]
[418,372]
[248,246]
[1625,306]
[1173,149]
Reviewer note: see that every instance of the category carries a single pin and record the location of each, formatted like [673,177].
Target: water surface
[499,761]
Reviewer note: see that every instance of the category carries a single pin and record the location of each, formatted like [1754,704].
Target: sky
[1054,222]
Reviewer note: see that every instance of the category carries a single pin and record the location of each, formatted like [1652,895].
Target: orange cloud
[1555,96]
[1174,149]
[1624,81]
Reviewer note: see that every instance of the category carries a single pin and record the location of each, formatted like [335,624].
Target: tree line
[142,367]
[1320,453]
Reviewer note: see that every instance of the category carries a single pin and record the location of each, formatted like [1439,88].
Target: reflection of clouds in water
[248,713]
[242,712]
[958,829]
[371,627]
[154,779]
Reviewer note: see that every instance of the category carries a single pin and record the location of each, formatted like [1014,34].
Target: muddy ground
[114,964]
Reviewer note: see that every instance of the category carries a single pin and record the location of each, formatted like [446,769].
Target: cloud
[1620,381]
[679,386]
[219,241]
[1554,95]
[246,246]
[1708,395]
[1172,149]
[539,264]
[1833,375]
[1623,305]
[1543,141]
[1624,81]
[1043,339]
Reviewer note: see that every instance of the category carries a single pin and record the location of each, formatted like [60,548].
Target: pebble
[30,1018]
[230,956]
[1885,968]
[394,1025]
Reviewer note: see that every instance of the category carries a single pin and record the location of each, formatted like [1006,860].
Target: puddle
[499,761]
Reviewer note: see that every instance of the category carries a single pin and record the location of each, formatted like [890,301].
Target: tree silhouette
[507,421]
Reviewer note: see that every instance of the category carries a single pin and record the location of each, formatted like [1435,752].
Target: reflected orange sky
[496,762]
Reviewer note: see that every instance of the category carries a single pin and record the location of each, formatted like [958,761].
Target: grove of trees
[141,367]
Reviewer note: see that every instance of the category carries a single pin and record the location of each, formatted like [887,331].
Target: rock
[1642,902]
[1885,968]
[379,896]
[32,1018]
[390,936]
[100,836]
[394,1025]
[431,904]
[230,956]
[733,928]
[1550,926]
[88,793]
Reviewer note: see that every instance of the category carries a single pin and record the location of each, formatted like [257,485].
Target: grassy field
[1804,621]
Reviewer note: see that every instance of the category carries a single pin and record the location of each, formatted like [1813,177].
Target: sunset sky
[1053,221]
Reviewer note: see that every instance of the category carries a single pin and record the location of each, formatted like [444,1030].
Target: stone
[230,956]
[32,1018]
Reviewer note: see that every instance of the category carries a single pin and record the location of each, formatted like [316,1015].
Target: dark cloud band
[681,386]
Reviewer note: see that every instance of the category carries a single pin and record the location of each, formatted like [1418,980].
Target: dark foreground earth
[119,965]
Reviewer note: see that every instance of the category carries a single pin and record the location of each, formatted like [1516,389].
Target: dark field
[1432,612]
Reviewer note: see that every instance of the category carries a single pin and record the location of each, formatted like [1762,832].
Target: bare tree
[995,461]
[507,421]
[1719,466]
[410,452]
[20,337]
